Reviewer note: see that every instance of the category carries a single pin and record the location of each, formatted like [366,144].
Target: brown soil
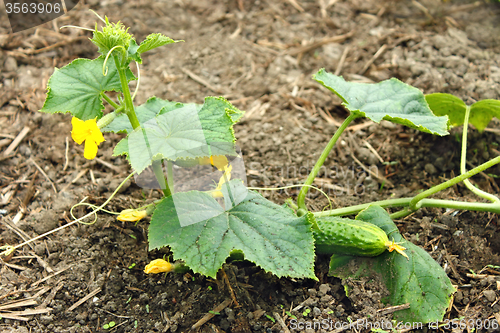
[259,54]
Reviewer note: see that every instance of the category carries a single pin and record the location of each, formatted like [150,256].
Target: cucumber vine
[206,225]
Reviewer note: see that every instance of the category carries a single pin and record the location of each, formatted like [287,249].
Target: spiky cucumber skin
[344,236]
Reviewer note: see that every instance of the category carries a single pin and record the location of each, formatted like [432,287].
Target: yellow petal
[79,132]
[218,161]
[89,132]
[95,132]
[90,150]
[226,176]
[216,194]
[131,215]
[158,266]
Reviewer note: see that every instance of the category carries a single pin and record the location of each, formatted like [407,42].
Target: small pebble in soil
[324,289]
[326,299]
[230,314]
[490,295]
[430,168]
[366,156]
[316,312]
[10,64]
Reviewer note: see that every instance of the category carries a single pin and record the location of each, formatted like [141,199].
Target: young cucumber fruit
[344,236]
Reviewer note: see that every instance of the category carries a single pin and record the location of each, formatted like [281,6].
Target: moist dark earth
[260,55]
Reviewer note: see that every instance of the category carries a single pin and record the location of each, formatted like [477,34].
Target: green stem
[158,170]
[402,213]
[414,204]
[314,172]
[170,175]
[402,202]
[419,200]
[130,111]
[467,182]
[109,100]
[292,204]
[126,94]
[476,206]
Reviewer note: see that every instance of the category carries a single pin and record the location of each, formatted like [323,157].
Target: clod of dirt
[43,221]
[10,64]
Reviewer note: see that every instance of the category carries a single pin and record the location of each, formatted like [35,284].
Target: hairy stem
[314,172]
[130,111]
[158,171]
[109,100]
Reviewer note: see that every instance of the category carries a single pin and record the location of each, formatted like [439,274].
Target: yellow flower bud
[131,215]
[158,266]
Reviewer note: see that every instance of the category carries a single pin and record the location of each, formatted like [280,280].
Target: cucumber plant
[204,227]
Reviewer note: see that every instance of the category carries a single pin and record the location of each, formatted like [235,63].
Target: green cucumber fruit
[338,235]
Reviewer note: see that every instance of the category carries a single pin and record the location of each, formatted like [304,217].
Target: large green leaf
[144,112]
[481,112]
[181,133]
[77,88]
[419,281]
[203,234]
[391,100]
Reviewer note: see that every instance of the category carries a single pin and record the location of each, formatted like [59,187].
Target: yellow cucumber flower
[218,161]
[158,266]
[392,246]
[131,215]
[89,132]
[217,193]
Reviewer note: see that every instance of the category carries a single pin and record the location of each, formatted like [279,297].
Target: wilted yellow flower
[131,215]
[217,193]
[89,132]
[392,246]
[158,266]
